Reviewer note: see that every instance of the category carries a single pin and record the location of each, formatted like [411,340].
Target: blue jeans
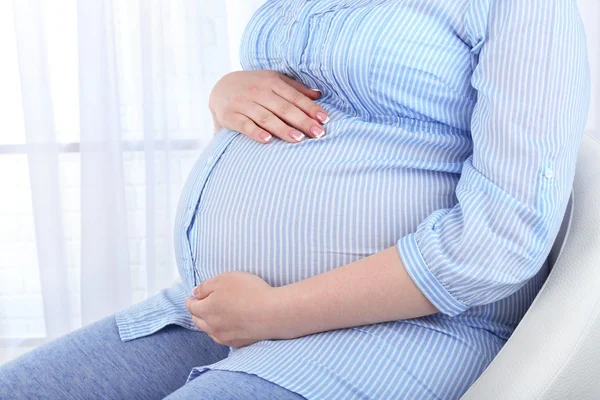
[93,363]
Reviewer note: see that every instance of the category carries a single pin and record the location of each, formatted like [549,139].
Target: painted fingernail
[195,291]
[297,135]
[266,136]
[317,131]
[316,90]
[321,116]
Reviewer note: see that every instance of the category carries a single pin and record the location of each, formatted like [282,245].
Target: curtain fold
[153,123]
[105,278]
[42,156]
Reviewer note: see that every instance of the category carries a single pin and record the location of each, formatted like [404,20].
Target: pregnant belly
[286,211]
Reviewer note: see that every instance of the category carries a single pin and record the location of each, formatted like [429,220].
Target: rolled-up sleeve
[532,80]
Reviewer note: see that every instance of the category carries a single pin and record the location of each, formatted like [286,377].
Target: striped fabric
[454,130]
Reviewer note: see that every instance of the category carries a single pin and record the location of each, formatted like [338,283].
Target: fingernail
[317,131]
[266,136]
[297,135]
[197,289]
[321,116]
[316,90]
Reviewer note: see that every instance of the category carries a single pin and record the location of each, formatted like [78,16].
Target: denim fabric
[94,363]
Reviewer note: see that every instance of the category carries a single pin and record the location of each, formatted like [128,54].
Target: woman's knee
[231,385]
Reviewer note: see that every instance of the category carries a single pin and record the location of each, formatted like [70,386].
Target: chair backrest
[554,353]
[559,243]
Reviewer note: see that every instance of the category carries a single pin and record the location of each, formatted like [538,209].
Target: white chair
[554,353]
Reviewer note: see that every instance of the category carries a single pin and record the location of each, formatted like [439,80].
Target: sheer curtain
[104,110]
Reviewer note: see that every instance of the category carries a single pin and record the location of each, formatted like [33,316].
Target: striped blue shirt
[454,131]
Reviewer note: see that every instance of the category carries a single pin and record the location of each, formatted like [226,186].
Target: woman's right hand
[263,104]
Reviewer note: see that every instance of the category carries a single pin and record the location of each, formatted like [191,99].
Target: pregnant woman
[379,237]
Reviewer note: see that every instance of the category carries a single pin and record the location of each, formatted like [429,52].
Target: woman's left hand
[234,309]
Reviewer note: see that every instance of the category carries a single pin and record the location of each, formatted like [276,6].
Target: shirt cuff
[154,313]
[424,279]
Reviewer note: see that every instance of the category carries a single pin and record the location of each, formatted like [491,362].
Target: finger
[196,307]
[241,123]
[299,86]
[200,324]
[292,115]
[188,303]
[296,97]
[203,289]
[215,339]
[272,123]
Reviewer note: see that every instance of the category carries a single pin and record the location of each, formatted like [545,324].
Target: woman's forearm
[371,290]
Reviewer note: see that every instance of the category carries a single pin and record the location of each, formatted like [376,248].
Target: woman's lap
[93,363]
[231,385]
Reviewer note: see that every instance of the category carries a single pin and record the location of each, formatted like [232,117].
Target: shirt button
[549,173]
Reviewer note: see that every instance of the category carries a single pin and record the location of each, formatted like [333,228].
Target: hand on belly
[233,308]
[263,104]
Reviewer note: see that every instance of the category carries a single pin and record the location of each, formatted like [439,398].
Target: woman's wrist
[280,321]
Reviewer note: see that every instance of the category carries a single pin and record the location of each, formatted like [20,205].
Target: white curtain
[104,108]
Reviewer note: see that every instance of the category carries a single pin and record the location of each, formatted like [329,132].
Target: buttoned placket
[188,258]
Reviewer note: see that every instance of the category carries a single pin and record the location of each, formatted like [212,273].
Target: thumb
[203,290]
[308,92]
